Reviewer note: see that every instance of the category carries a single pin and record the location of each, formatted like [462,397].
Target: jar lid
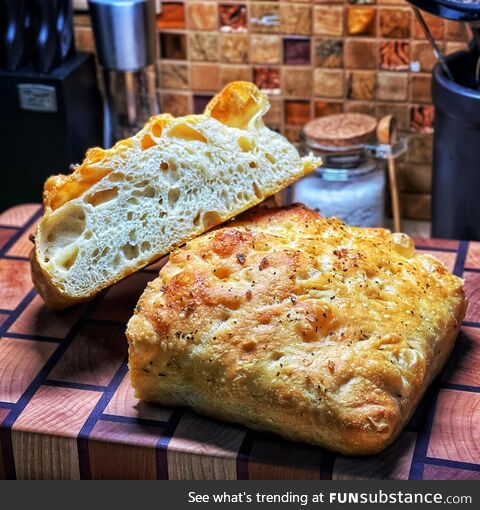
[346,130]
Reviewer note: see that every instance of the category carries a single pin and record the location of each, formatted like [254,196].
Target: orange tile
[172,15]
[391,464]
[472,289]
[202,448]
[297,113]
[19,215]
[202,15]
[15,282]
[462,367]
[454,433]
[361,21]
[20,362]
[124,403]
[37,319]
[473,255]
[123,451]
[205,76]
[120,300]
[94,356]
[272,459]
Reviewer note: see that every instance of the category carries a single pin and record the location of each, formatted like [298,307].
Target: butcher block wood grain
[68,411]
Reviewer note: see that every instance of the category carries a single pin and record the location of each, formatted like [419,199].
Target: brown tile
[264,17]
[295,19]
[84,39]
[20,362]
[297,81]
[394,55]
[394,23]
[94,356]
[462,367]
[453,47]
[123,451]
[234,48]
[328,83]
[473,255]
[392,86]
[360,54]
[362,85]
[202,15]
[267,79]
[422,55]
[19,215]
[265,49]
[322,108]
[274,116]
[174,76]
[203,46]
[200,102]
[329,53]
[272,460]
[361,21]
[472,289]
[391,464]
[420,148]
[120,300]
[455,31]
[328,20]
[173,46]
[205,77]
[416,178]
[15,282]
[436,25]
[454,433]
[399,110]
[229,73]
[190,456]
[296,50]
[124,403]
[61,412]
[176,104]
[232,17]
[297,113]
[37,319]
[421,88]
[421,118]
[415,206]
[367,107]
[171,16]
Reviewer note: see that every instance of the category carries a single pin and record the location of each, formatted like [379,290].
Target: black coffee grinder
[50,106]
[456,96]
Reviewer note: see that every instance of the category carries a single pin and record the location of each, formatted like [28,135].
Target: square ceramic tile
[176,104]
[200,101]
[421,118]
[362,85]
[94,356]
[361,21]
[229,73]
[20,362]
[421,88]
[296,50]
[395,23]
[265,49]
[329,53]
[420,148]
[392,86]
[173,46]
[297,112]
[322,108]
[295,18]
[172,15]
[366,107]
[205,76]
[436,26]
[232,17]
[328,83]
[15,282]
[174,76]
[422,57]
[267,79]
[297,81]
[202,15]
[234,48]
[417,178]
[361,54]
[394,55]
[328,20]
[274,116]
[264,17]
[203,46]
[454,433]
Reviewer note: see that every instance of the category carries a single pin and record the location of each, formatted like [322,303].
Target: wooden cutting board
[67,409]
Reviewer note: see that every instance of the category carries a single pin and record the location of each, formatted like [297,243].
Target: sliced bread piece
[125,207]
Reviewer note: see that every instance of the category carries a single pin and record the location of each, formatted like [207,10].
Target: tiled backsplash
[312,58]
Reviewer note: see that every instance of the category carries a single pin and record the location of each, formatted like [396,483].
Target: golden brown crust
[288,322]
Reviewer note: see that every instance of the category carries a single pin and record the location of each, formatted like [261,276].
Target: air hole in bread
[95,252]
[117,260]
[258,191]
[105,251]
[148,192]
[277,355]
[68,258]
[173,196]
[164,166]
[88,234]
[141,184]
[116,177]
[145,246]
[130,216]
[252,164]
[211,218]
[130,251]
[133,201]
[186,132]
[132,235]
[101,197]
[196,220]
[270,158]
[156,130]
[245,144]
[147,142]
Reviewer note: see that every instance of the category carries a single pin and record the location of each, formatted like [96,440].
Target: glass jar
[350,185]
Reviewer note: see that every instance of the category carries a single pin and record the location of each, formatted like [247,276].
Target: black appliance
[456,152]
[50,105]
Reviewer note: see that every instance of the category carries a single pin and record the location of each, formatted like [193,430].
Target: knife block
[48,121]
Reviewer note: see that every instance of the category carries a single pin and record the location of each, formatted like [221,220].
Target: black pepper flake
[241,258]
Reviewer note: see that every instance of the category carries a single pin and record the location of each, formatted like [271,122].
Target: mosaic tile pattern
[72,414]
[260,39]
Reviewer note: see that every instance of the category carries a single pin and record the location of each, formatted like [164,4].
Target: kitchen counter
[67,409]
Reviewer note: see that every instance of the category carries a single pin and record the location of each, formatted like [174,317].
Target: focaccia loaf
[126,207]
[300,325]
